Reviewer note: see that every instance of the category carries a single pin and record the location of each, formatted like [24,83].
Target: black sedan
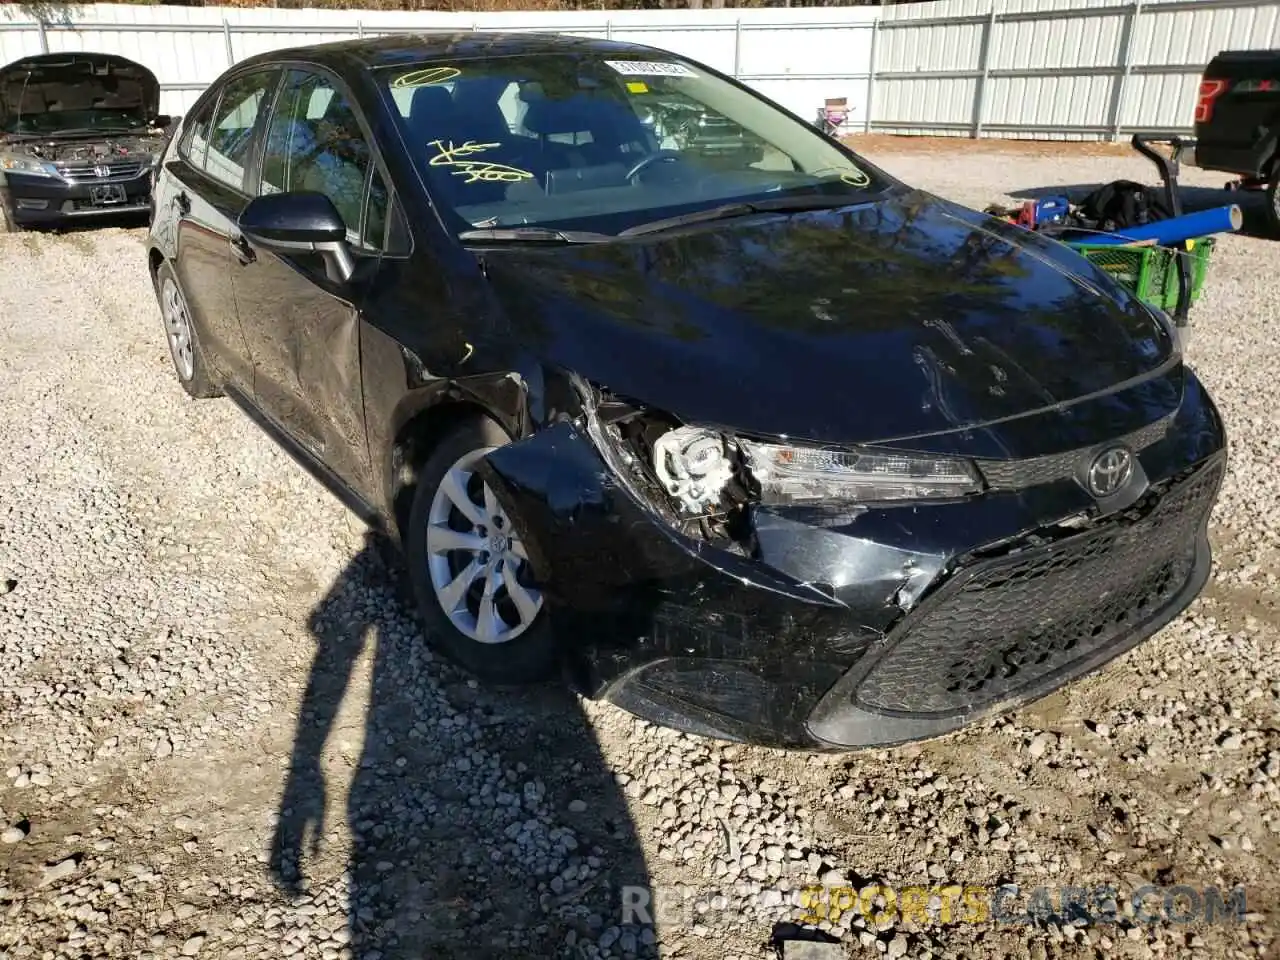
[762,443]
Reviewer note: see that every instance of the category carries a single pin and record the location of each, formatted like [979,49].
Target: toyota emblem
[1110,471]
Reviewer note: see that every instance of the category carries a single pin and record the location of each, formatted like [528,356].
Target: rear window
[230,133]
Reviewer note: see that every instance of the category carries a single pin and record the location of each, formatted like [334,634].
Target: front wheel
[1273,202]
[469,569]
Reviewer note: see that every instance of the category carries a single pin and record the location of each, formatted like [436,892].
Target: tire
[514,645]
[6,220]
[184,342]
[1273,202]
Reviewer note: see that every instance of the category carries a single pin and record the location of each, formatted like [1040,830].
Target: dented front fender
[692,629]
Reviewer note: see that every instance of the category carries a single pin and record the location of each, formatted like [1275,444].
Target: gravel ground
[224,737]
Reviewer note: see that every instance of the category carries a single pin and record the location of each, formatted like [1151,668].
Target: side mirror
[300,222]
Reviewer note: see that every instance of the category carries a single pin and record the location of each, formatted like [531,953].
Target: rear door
[303,329]
[210,172]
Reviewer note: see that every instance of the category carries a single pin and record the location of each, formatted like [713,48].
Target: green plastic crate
[1151,272]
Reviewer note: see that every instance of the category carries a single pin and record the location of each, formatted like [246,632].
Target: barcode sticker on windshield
[650,68]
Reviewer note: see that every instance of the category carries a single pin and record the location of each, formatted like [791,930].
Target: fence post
[226,39]
[871,74]
[360,29]
[608,29]
[737,48]
[44,35]
[1126,67]
[984,65]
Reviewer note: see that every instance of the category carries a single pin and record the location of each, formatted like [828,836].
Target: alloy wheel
[477,564]
[177,325]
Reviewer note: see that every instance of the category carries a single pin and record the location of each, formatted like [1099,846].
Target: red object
[1210,90]
[1027,215]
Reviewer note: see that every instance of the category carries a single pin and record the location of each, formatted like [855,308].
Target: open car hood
[905,316]
[76,81]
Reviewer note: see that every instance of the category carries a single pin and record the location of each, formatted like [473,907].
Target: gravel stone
[58,871]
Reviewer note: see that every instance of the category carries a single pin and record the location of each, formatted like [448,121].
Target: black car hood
[76,81]
[902,317]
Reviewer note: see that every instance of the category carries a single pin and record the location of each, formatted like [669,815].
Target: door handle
[182,202]
[240,247]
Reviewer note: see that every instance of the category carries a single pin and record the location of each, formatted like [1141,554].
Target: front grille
[1031,472]
[113,170]
[1000,626]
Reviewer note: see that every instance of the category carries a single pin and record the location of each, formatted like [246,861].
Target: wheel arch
[155,259]
[428,415]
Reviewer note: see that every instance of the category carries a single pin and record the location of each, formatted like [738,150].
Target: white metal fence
[1060,68]
[1067,68]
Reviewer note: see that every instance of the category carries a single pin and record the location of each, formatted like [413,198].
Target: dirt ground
[883,144]
[225,737]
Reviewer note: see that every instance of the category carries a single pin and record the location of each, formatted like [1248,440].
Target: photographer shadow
[483,822]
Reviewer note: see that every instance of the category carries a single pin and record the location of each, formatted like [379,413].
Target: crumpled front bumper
[855,628]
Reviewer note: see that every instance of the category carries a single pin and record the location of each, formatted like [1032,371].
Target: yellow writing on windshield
[426,76]
[476,171]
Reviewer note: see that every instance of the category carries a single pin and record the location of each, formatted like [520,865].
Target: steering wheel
[662,156]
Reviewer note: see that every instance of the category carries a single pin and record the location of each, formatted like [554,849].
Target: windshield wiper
[534,234]
[730,210]
[88,132]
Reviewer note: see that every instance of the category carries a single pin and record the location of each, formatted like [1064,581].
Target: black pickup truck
[1238,121]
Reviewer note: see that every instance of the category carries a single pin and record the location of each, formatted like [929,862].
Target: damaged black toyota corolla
[78,137]
[754,440]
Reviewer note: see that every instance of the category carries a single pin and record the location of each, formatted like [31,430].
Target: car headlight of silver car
[31,166]
[792,473]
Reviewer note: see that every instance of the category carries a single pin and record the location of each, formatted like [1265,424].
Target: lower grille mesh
[1001,625]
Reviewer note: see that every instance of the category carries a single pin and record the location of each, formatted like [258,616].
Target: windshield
[54,122]
[590,143]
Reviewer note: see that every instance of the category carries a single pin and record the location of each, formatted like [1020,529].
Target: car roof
[450,45]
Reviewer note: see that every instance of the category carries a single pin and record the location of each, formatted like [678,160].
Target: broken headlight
[791,474]
[693,466]
[698,467]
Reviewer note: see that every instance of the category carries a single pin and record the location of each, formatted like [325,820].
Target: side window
[231,133]
[315,143]
[195,139]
